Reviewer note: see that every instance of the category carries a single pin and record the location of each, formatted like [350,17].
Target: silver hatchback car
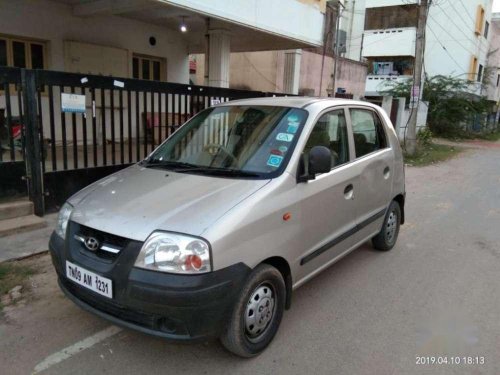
[209,235]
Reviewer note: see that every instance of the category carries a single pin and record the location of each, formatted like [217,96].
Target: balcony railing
[376,83]
[389,42]
[388,3]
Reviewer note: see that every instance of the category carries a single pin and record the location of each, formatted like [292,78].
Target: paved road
[437,293]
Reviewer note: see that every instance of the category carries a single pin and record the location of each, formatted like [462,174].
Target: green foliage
[493,137]
[430,154]
[451,106]
[489,73]
[12,274]
[424,137]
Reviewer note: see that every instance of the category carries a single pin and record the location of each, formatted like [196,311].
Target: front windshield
[251,141]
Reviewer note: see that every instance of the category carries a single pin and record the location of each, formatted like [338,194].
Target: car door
[327,206]
[374,162]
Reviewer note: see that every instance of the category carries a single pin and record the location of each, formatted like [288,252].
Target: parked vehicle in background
[10,134]
[209,235]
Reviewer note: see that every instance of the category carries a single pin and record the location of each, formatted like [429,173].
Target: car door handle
[387,172]
[349,192]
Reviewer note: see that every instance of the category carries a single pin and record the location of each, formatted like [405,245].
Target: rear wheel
[388,235]
[257,314]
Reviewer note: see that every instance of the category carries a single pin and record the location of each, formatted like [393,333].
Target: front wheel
[257,313]
[386,238]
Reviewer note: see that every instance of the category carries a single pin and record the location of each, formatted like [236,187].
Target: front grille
[110,307]
[105,239]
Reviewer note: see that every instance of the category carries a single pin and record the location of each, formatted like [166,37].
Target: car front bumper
[178,307]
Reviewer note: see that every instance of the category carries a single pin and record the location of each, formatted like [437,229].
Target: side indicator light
[287,216]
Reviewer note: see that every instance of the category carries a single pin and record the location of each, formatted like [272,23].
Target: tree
[451,105]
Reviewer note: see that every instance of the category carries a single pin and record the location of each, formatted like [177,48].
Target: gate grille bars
[122,122]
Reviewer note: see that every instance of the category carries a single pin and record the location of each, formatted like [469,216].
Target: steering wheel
[218,148]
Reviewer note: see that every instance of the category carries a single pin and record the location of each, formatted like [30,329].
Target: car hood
[136,201]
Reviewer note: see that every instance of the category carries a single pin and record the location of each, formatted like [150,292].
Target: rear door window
[368,132]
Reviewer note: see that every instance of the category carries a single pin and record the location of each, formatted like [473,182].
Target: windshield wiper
[169,164]
[218,171]
[182,167]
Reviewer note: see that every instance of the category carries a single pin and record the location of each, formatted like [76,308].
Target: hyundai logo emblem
[91,243]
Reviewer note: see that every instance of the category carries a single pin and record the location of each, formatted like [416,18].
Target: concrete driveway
[435,294]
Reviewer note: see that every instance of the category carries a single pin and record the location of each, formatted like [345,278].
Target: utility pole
[336,46]
[415,94]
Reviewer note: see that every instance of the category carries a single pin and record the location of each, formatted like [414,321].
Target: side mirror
[320,161]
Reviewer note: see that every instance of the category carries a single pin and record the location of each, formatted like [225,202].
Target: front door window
[330,131]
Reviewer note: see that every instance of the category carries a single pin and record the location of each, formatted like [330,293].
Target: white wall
[493,90]
[451,24]
[376,83]
[423,108]
[388,3]
[292,19]
[390,42]
[353,22]
[54,23]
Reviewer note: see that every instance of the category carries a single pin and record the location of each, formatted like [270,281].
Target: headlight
[62,219]
[175,253]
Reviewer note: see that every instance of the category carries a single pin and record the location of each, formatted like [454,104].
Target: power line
[466,11]
[375,42]
[459,15]
[458,27]
[451,36]
[444,48]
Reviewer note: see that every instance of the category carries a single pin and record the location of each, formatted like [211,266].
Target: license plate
[89,280]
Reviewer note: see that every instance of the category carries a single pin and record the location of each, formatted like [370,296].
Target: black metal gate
[12,165]
[79,128]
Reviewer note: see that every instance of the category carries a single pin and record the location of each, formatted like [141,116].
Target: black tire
[388,235]
[236,337]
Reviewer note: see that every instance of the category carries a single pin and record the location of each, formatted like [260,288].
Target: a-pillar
[291,76]
[218,58]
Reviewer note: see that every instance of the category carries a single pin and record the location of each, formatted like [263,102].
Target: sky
[496,5]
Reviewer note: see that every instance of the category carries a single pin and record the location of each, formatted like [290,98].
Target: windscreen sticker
[293,120]
[285,137]
[274,161]
[292,128]
[283,149]
[276,152]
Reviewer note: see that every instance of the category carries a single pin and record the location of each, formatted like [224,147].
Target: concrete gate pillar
[291,76]
[387,104]
[401,120]
[218,58]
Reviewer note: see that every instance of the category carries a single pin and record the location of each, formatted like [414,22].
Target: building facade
[265,71]
[493,88]
[383,33]
[145,39]
[307,71]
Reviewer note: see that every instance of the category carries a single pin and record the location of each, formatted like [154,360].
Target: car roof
[295,101]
